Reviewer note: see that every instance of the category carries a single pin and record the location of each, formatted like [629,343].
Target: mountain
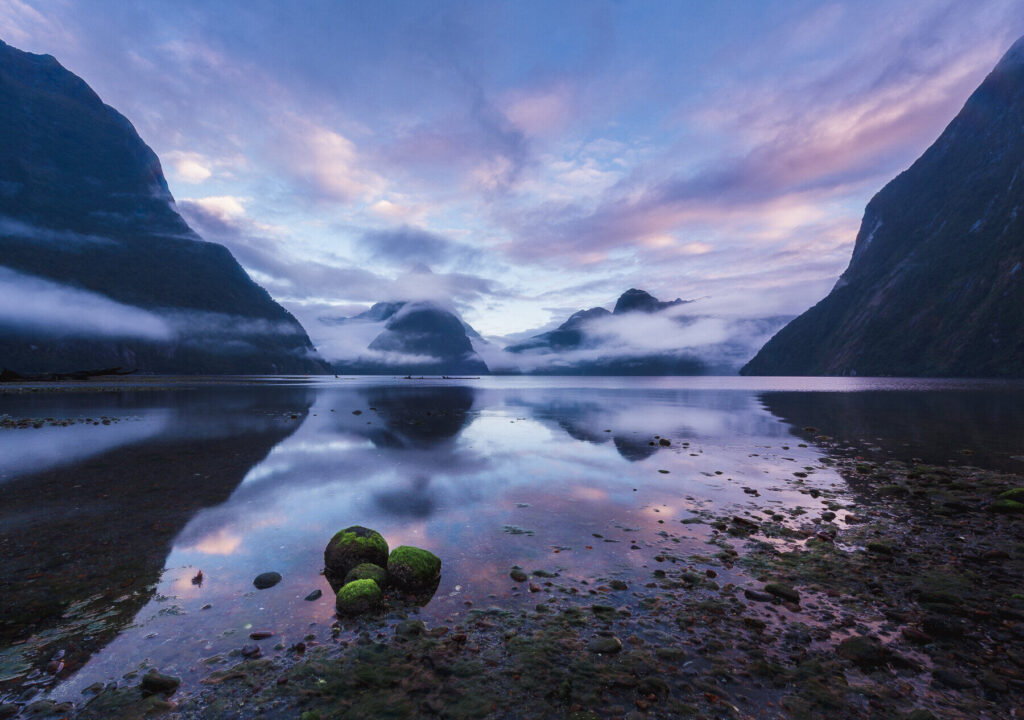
[935,286]
[567,336]
[592,342]
[572,333]
[419,338]
[97,267]
[634,300]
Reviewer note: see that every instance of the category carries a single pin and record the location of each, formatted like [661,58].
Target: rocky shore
[900,596]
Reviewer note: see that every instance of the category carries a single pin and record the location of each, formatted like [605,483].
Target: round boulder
[353,546]
[357,597]
[368,571]
[412,568]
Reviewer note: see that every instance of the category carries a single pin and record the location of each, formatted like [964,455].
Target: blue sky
[522,160]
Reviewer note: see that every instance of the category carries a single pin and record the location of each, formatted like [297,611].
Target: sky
[523,160]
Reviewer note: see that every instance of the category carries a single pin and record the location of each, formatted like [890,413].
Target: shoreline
[911,608]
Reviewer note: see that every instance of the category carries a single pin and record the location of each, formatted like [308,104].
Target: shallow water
[565,475]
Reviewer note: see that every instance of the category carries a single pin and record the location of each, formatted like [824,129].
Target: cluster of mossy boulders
[360,569]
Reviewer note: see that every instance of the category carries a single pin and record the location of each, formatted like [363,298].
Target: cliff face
[935,286]
[84,206]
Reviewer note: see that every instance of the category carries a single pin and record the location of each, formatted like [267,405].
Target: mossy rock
[353,546]
[357,597]
[1016,494]
[368,571]
[413,568]
[1007,506]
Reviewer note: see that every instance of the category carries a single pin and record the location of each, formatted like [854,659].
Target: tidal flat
[610,547]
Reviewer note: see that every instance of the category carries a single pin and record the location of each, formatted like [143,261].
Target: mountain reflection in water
[504,471]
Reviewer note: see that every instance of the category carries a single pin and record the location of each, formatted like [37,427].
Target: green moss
[353,546]
[414,568]
[1007,506]
[357,597]
[1016,494]
[368,571]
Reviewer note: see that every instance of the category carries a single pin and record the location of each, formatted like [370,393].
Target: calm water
[104,526]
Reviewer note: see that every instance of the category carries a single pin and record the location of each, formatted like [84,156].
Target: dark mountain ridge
[84,204]
[935,286]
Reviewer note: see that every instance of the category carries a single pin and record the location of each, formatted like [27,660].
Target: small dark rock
[950,678]
[605,645]
[866,653]
[266,580]
[410,629]
[154,683]
[315,595]
[518,575]
[783,591]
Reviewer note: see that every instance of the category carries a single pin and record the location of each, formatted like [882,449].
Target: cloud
[480,145]
[811,139]
[9,227]
[323,162]
[223,209]
[191,167]
[409,245]
[540,111]
[35,304]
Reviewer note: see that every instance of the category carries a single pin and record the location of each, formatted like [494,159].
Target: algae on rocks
[351,547]
[368,571]
[413,568]
[358,596]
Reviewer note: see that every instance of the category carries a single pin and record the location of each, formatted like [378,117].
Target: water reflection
[86,533]
[486,476]
[982,426]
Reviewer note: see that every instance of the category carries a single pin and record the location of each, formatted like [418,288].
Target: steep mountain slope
[566,336]
[87,221]
[935,286]
[414,337]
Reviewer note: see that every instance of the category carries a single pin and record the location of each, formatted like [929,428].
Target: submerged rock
[266,580]
[358,596]
[154,683]
[353,546]
[368,571]
[865,652]
[315,595]
[413,568]
[782,591]
[605,645]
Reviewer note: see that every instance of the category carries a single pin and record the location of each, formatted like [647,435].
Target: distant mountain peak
[634,300]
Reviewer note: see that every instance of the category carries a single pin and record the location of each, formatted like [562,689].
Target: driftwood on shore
[7,375]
